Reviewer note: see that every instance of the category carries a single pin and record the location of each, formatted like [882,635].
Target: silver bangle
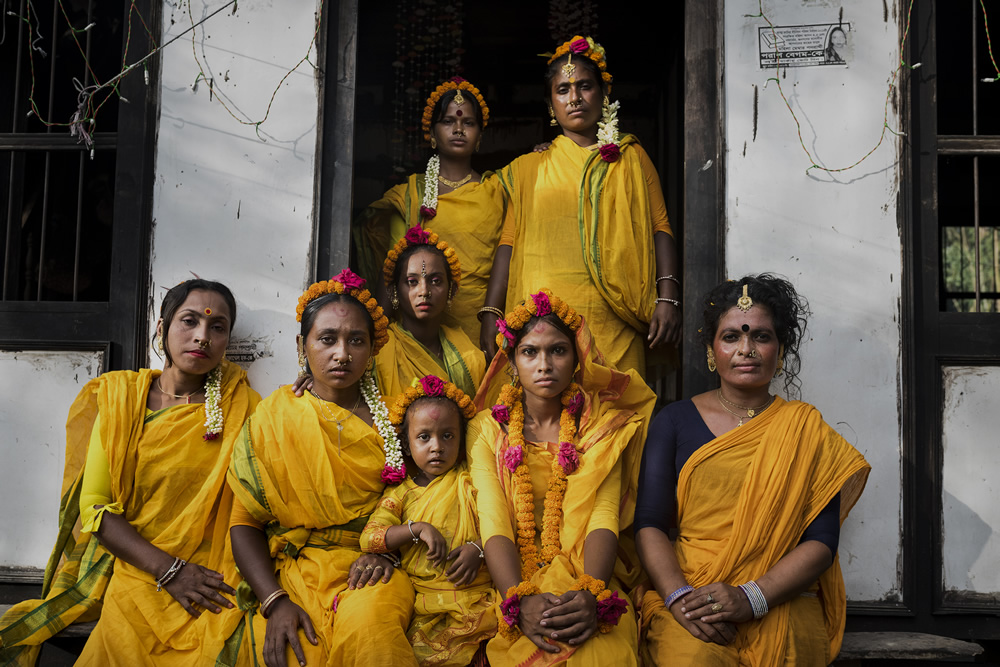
[482,554]
[171,572]
[392,558]
[409,524]
[664,299]
[670,277]
[758,603]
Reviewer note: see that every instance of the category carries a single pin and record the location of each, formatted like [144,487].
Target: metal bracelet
[664,299]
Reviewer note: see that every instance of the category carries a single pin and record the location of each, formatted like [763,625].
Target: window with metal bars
[57,193]
[968,163]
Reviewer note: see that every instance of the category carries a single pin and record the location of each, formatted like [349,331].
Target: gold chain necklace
[327,414]
[186,397]
[751,412]
[456,184]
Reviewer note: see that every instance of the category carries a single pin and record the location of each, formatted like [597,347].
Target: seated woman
[307,472]
[432,517]
[153,491]
[555,463]
[757,488]
[422,274]
[466,207]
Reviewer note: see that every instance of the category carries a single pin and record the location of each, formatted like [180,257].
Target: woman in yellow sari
[587,217]
[422,274]
[307,472]
[153,492]
[555,462]
[431,517]
[466,207]
[756,489]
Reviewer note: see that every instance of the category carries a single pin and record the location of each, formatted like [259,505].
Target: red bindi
[541,326]
[341,310]
[459,113]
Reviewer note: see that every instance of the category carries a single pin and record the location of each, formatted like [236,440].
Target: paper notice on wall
[245,351]
[805,45]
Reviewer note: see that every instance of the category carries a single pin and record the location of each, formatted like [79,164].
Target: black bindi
[745,327]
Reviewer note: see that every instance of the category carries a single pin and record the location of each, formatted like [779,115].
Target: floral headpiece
[540,305]
[350,283]
[433,386]
[454,83]
[416,235]
[585,46]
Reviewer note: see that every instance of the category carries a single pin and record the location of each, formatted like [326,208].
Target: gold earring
[302,357]
[394,298]
[434,143]
[552,114]
[711,360]
[159,344]
[478,141]
[781,364]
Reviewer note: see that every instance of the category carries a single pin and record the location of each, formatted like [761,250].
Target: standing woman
[586,217]
[555,462]
[466,207]
[153,491]
[307,472]
[422,274]
[756,488]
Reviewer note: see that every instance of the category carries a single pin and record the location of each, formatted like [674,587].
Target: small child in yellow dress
[432,519]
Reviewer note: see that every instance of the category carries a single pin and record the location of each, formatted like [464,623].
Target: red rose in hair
[610,152]
[415,235]
[432,384]
[579,45]
[349,280]
[428,212]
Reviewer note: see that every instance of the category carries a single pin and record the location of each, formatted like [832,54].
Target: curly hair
[788,312]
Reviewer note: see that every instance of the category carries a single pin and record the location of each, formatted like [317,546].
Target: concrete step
[861,646]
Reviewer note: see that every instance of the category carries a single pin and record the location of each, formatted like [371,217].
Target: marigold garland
[610,607]
[540,304]
[509,610]
[585,46]
[350,283]
[454,83]
[416,235]
[430,385]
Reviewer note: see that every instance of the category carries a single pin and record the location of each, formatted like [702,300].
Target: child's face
[435,437]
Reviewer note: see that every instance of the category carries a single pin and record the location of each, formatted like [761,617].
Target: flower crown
[454,83]
[585,46]
[416,235]
[539,305]
[433,386]
[349,283]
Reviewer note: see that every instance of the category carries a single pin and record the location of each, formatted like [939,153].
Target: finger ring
[717,607]
[379,567]
[369,567]
[710,598]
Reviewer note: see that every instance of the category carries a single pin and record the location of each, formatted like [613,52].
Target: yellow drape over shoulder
[788,464]
[468,218]
[584,228]
[171,484]
[449,621]
[314,487]
[404,358]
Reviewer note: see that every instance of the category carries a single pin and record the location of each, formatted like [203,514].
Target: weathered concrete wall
[833,235]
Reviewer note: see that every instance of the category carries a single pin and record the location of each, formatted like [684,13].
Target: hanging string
[989,46]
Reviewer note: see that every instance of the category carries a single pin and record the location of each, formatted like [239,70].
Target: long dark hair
[177,295]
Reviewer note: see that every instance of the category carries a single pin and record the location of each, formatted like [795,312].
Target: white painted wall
[230,205]
[971,543]
[834,236]
[33,446]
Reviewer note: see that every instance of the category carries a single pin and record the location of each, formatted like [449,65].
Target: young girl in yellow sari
[555,462]
[145,474]
[432,518]
[422,274]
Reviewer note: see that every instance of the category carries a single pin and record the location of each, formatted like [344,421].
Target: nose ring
[204,344]
[350,358]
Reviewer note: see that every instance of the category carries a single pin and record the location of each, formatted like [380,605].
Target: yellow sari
[170,485]
[788,464]
[449,622]
[584,227]
[612,430]
[404,358]
[468,218]
[314,487]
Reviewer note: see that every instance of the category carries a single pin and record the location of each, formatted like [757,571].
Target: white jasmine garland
[607,127]
[213,404]
[430,202]
[394,470]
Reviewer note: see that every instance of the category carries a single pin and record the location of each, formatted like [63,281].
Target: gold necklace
[751,412]
[456,184]
[186,397]
[327,414]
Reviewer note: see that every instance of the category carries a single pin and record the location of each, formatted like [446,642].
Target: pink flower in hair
[349,280]
[579,46]
[392,475]
[507,333]
[432,384]
[456,79]
[415,235]
[568,458]
[542,305]
[512,458]
[500,413]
